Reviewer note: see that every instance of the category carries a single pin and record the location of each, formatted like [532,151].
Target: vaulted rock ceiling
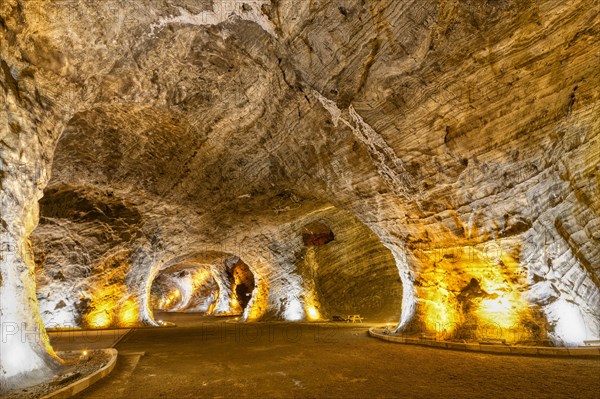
[449,150]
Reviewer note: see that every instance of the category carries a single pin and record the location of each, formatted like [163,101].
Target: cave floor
[75,340]
[212,358]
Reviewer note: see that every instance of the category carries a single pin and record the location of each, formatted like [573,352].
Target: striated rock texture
[212,289]
[454,145]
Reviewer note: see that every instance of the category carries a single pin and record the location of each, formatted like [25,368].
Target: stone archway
[256,124]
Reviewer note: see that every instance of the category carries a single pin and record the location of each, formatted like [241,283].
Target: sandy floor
[205,357]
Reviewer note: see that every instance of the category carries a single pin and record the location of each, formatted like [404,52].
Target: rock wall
[440,125]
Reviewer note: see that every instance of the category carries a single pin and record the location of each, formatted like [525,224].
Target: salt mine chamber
[428,166]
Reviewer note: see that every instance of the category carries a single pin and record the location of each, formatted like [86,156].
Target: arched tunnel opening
[191,289]
[192,190]
[197,289]
[350,273]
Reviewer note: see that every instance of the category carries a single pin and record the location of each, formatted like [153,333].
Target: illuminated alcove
[219,289]
[350,271]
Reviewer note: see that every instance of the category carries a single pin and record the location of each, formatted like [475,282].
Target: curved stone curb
[79,385]
[579,351]
[325,323]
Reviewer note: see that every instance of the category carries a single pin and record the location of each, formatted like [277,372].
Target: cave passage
[269,198]
[193,288]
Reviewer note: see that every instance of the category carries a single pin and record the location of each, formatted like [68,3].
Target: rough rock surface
[463,135]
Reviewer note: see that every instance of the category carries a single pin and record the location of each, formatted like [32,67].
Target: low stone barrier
[79,385]
[579,351]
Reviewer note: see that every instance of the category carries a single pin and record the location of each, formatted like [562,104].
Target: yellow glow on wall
[500,311]
[111,305]
[474,290]
[99,318]
[200,278]
[311,306]
[103,304]
[260,300]
[107,312]
[313,313]
[170,300]
[311,303]
[234,304]
[440,312]
[129,314]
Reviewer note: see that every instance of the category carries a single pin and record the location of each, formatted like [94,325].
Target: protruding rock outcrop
[455,141]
